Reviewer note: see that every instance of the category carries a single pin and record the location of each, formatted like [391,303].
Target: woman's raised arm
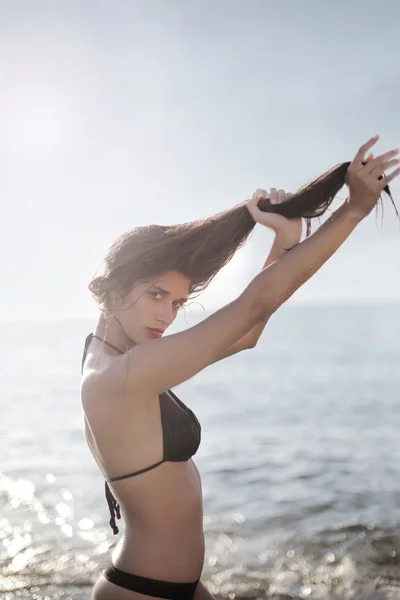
[276,283]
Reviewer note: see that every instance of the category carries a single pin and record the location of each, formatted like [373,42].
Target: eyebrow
[166,292]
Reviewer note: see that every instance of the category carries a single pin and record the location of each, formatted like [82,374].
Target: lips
[160,331]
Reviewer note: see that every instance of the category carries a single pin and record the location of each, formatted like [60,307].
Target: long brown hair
[199,249]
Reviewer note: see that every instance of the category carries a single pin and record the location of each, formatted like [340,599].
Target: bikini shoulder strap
[87,342]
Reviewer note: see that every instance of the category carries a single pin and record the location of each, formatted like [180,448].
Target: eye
[180,304]
[176,303]
[155,293]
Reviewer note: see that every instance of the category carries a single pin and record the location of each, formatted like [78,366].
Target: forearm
[281,278]
[278,249]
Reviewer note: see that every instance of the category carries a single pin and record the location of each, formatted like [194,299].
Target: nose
[165,316]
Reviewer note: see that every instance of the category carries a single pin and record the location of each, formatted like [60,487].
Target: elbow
[265,308]
[257,311]
[266,313]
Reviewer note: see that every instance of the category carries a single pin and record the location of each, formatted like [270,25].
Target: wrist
[284,244]
[291,248]
[350,213]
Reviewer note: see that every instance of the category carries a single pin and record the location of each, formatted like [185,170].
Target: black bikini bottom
[151,587]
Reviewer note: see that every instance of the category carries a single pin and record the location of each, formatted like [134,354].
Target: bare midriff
[163,536]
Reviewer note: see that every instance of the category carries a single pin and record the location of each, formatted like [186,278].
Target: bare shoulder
[103,385]
[107,402]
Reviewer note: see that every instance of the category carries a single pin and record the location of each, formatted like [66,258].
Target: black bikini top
[181,435]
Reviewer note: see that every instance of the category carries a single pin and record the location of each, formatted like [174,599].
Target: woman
[141,435]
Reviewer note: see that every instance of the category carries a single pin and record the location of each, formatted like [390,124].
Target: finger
[252,203]
[390,177]
[280,196]
[273,195]
[379,169]
[379,161]
[359,157]
[260,193]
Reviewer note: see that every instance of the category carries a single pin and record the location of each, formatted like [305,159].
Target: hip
[170,557]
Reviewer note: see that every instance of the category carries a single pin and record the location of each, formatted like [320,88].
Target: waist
[169,555]
[169,498]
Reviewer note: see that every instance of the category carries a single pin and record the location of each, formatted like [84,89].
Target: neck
[109,329]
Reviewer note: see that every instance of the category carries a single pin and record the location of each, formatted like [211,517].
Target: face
[153,303]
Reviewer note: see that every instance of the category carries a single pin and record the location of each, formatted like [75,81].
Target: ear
[114,299]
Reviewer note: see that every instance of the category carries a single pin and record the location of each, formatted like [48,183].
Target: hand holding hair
[365,178]
[287,230]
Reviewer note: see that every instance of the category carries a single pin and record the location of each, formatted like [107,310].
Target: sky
[120,113]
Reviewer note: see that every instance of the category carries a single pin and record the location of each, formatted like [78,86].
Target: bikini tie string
[114,509]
